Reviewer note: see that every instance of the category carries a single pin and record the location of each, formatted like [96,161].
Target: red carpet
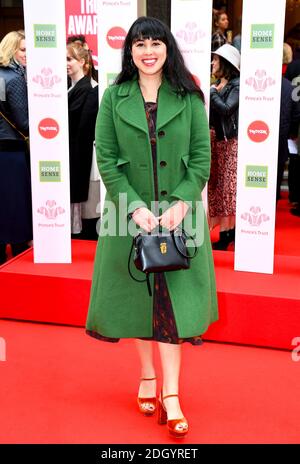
[287,236]
[287,240]
[60,386]
[255,309]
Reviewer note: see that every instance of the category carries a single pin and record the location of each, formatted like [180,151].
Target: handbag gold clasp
[163,248]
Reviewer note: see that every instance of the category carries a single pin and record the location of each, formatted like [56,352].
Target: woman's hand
[171,218]
[221,85]
[145,219]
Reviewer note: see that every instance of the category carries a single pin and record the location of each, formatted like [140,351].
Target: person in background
[82,108]
[80,40]
[15,182]
[288,128]
[224,105]
[294,178]
[293,68]
[90,209]
[289,118]
[152,141]
[237,39]
[287,57]
[220,23]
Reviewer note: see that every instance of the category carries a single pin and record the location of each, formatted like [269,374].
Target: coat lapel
[131,107]
[169,105]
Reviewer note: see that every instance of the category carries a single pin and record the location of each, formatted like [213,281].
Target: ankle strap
[153,378]
[169,396]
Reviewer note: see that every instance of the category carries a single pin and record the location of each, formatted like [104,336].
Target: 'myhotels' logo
[116,37]
[258,131]
[48,128]
[262,35]
[45,35]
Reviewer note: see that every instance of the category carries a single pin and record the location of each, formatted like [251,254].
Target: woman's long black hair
[174,68]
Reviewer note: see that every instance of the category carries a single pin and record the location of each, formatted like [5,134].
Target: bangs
[148,30]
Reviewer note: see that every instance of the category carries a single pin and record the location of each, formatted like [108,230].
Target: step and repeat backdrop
[104,25]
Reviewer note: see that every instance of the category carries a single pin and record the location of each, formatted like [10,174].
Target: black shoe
[3,256]
[226,237]
[17,248]
[295,211]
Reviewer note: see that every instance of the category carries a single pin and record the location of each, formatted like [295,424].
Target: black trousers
[294,178]
[16,249]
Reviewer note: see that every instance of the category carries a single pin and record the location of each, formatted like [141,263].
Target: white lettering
[91,6]
[71,26]
[80,24]
[2,349]
[258,131]
[262,33]
[48,128]
[296,351]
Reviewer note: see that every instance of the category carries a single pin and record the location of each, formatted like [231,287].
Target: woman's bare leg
[170,355]
[145,351]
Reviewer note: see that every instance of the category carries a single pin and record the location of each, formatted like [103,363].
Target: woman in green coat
[153,153]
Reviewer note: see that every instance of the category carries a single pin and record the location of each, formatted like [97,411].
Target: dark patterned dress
[222,183]
[164,324]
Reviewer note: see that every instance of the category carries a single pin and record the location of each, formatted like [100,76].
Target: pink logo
[48,128]
[116,37]
[255,217]
[191,33]
[258,131]
[46,80]
[260,81]
[51,211]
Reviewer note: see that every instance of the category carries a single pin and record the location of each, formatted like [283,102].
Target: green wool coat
[119,306]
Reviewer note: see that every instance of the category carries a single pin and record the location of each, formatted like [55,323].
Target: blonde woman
[287,57]
[15,211]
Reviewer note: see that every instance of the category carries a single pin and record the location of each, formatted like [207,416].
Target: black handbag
[160,252]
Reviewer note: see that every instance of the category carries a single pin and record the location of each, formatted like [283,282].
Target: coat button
[163,164]
[161,133]
[163,193]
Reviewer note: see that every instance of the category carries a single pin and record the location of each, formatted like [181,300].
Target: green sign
[262,35]
[45,35]
[110,78]
[50,171]
[257,176]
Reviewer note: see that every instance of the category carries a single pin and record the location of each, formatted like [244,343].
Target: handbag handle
[187,236]
[132,276]
[24,137]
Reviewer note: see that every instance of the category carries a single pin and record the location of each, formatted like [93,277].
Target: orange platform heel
[147,406]
[178,428]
